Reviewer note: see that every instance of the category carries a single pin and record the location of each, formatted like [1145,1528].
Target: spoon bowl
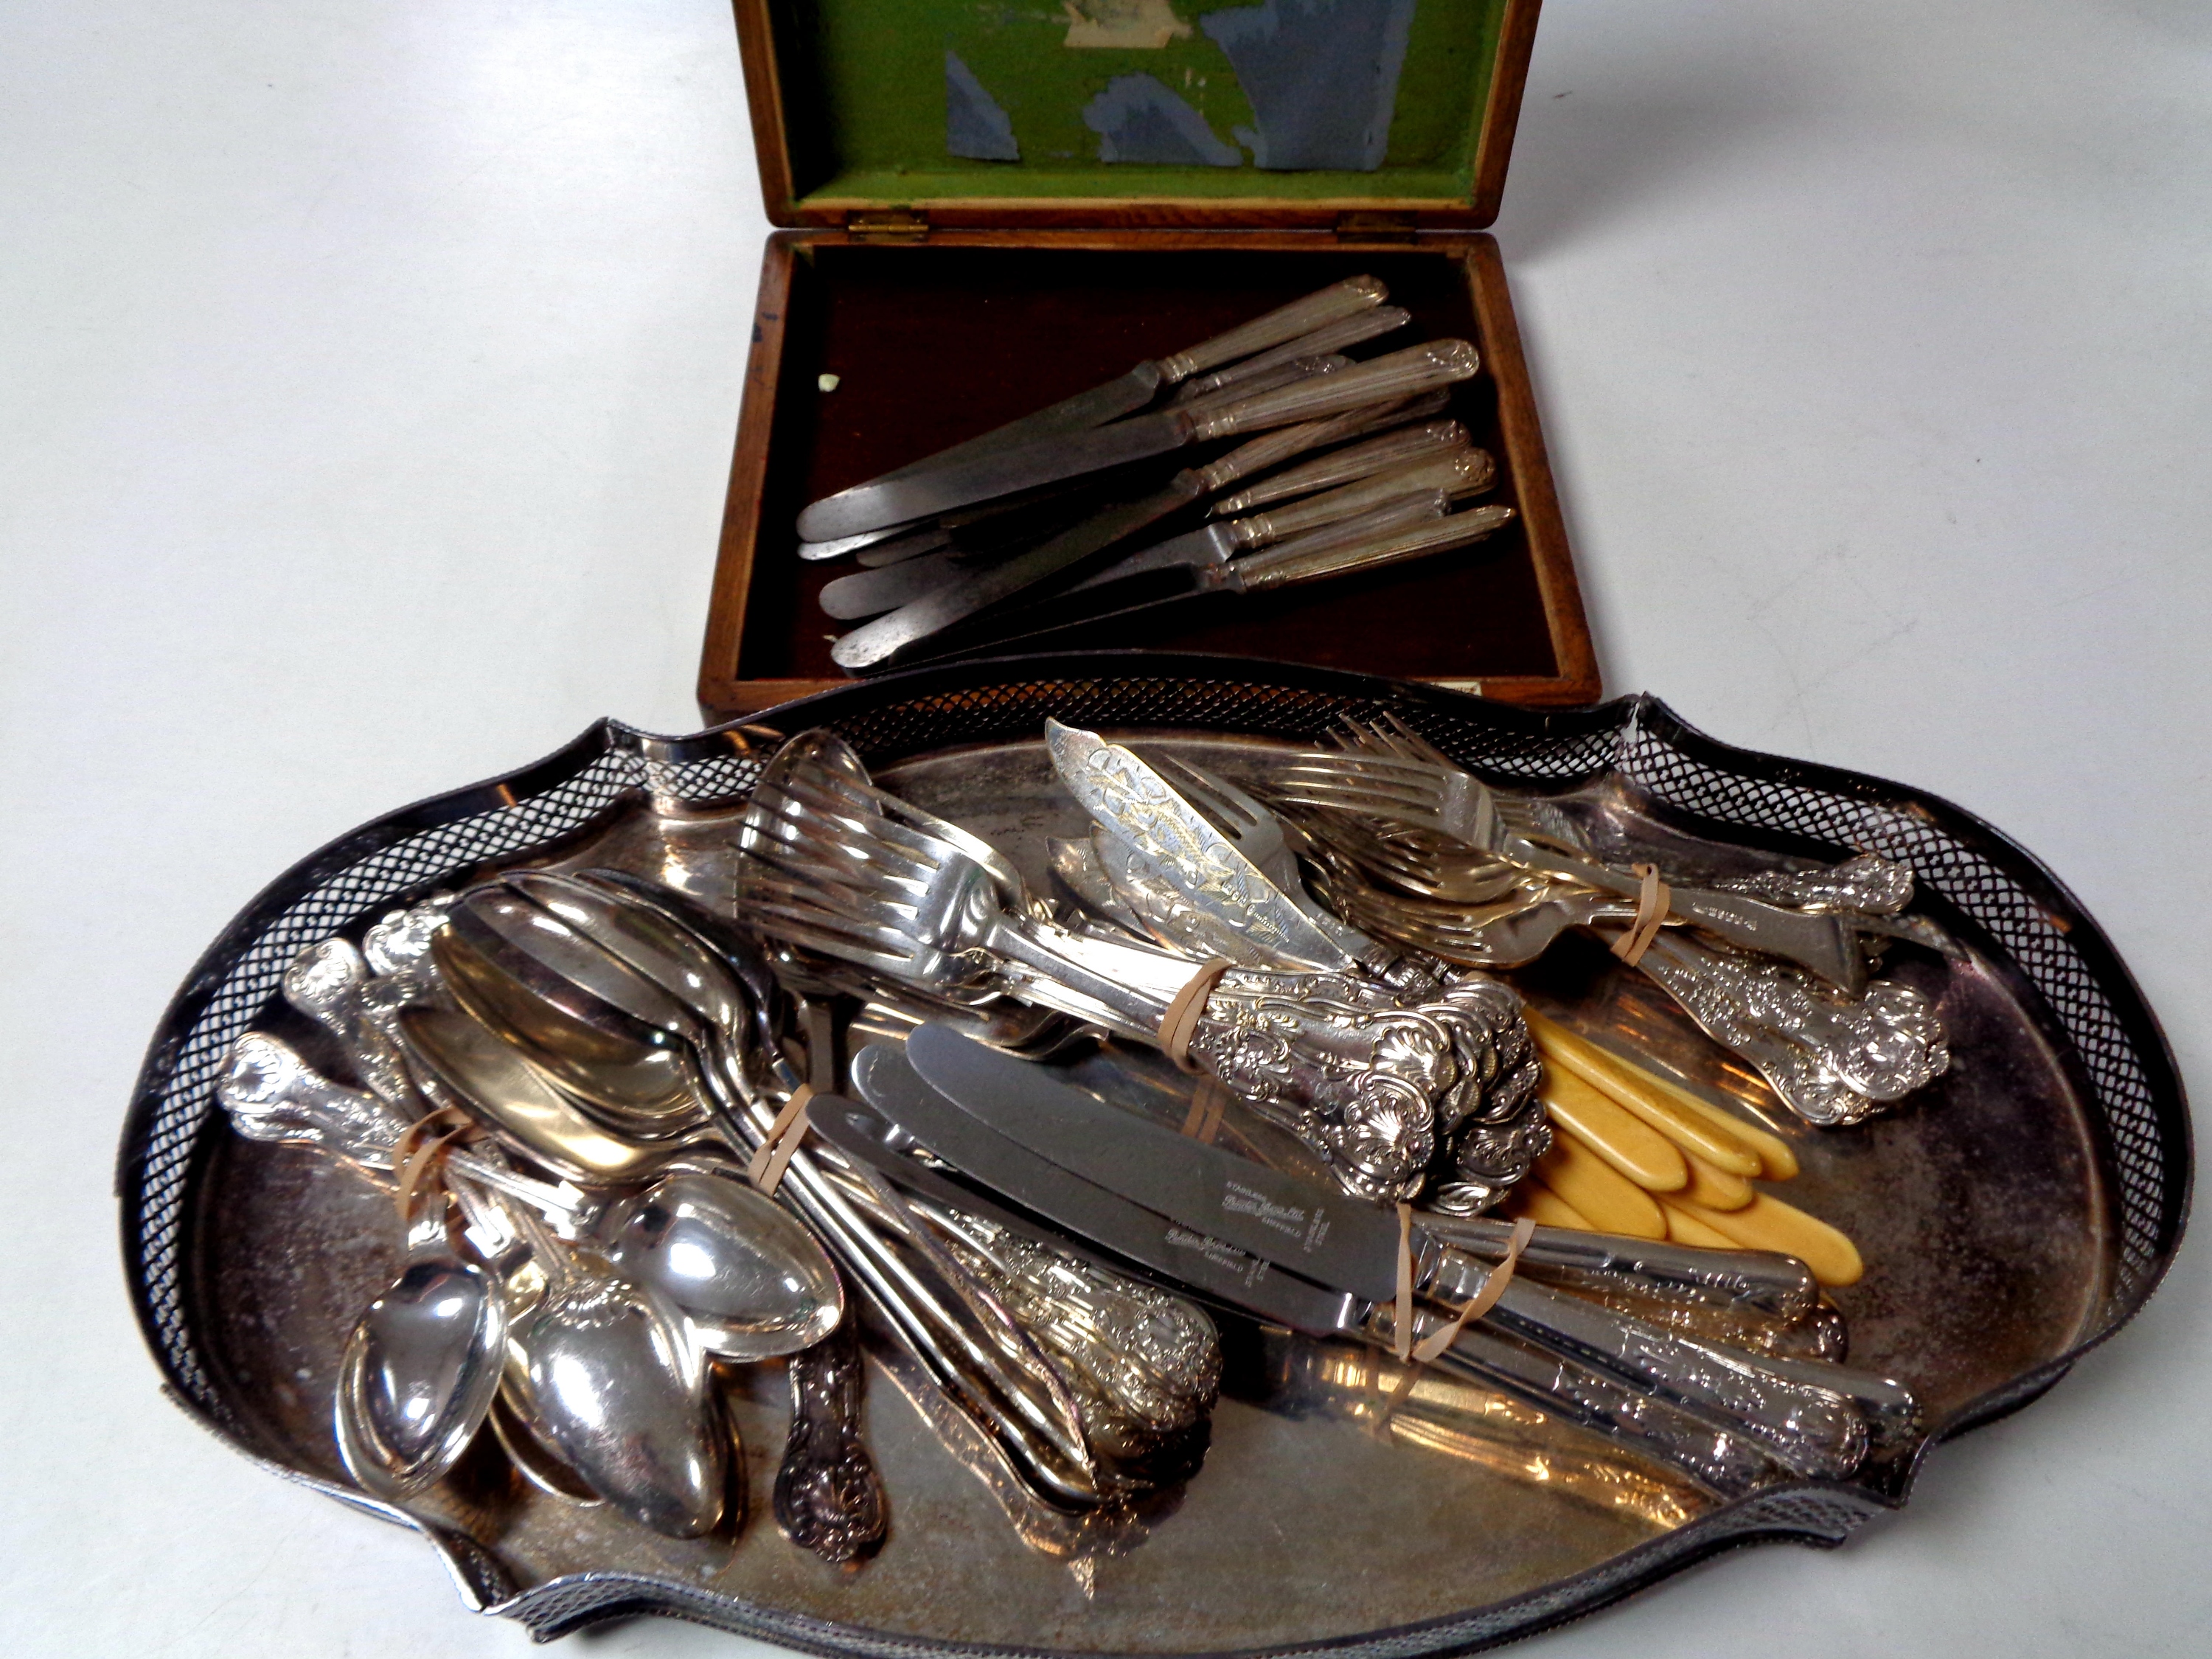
[751,1282]
[623,1399]
[421,1369]
[638,1085]
[491,1081]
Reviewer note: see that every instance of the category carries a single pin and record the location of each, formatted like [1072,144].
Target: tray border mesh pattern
[2062,951]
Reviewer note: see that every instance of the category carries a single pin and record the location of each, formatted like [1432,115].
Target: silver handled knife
[872,593]
[1821,1420]
[902,633]
[898,501]
[1194,1260]
[1126,394]
[1370,504]
[1412,529]
[1355,329]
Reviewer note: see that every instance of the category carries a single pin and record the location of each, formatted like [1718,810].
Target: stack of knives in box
[1055,520]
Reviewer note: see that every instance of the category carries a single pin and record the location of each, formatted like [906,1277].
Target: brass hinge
[1375,227]
[886,225]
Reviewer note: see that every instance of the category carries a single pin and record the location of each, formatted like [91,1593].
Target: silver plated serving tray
[2013,1215]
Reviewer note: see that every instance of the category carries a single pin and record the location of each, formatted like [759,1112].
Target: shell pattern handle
[1277,567]
[1398,448]
[1456,472]
[1282,375]
[1401,374]
[1286,323]
[1352,330]
[829,1498]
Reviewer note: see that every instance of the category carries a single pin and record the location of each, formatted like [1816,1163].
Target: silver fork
[1417,862]
[824,873]
[1389,734]
[1447,798]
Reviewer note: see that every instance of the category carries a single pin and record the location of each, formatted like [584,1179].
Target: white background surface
[368,378]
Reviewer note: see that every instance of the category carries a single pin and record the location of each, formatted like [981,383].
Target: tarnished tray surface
[2017,1214]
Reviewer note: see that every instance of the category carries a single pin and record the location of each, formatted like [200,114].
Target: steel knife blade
[887,1082]
[1290,325]
[1329,1236]
[1174,842]
[898,501]
[1124,394]
[1200,1260]
[877,644]
[1817,1418]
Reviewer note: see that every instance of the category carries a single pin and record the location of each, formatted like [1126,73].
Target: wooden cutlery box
[1108,206]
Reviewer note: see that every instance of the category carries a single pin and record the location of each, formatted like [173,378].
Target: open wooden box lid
[1102,245]
[1182,113]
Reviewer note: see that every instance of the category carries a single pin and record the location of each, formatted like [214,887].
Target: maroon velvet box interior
[933,345]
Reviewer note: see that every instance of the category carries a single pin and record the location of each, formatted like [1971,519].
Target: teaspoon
[621,1395]
[421,1369]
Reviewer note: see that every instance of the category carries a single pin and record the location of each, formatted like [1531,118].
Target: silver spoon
[421,1369]
[750,1281]
[1026,1422]
[621,1395]
[490,1080]
[526,1449]
[518,970]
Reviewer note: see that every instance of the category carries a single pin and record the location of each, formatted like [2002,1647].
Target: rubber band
[1402,1324]
[773,1157]
[1180,1023]
[415,1153]
[1652,902]
[1444,1335]
[1203,1121]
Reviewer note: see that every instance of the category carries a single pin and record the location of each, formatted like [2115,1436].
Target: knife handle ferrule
[1392,449]
[1282,375]
[1455,473]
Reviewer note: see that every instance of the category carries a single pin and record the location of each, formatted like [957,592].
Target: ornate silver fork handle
[1831,1065]
[1376,1078]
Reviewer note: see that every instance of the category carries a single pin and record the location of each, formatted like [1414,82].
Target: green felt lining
[864,87]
